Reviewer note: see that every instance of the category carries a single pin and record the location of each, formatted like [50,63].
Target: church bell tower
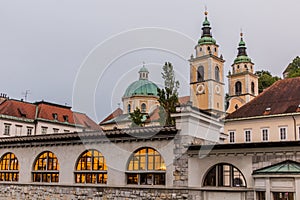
[206,73]
[243,83]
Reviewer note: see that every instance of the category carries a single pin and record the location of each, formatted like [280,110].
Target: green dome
[143,69]
[141,87]
[242,59]
[206,40]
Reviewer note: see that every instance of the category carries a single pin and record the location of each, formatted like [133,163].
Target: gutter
[262,116]
[295,127]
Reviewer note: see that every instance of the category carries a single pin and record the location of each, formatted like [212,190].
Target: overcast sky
[44,43]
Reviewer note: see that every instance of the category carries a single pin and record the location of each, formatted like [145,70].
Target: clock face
[200,89]
[217,89]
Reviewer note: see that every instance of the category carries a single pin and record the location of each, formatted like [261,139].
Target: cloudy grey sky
[44,43]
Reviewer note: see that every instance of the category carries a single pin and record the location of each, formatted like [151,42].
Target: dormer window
[54,115]
[66,118]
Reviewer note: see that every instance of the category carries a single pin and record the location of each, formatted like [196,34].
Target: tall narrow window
[247,135]
[217,74]
[91,168]
[231,137]
[252,87]
[224,174]
[265,135]
[46,168]
[146,167]
[200,74]
[7,129]
[238,88]
[282,132]
[9,168]
[128,108]
[143,108]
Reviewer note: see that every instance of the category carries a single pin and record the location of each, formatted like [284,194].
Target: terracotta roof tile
[47,111]
[18,109]
[113,115]
[280,98]
[83,119]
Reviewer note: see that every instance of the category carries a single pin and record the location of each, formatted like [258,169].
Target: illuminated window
[146,167]
[224,174]
[9,168]
[200,74]
[91,168]
[46,168]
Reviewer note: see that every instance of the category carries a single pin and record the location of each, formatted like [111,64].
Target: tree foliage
[294,68]
[136,117]
[265,79]
[168,96]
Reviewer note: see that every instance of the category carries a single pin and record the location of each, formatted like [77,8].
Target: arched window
[200,74]
[91,168]
[224,174]
[238,88]
[146,167]
[129,108]
[9,167]
[252,87]
[46,168]
[143,108]
[217,73]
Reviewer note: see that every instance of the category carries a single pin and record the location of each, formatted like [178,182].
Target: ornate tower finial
[205,12]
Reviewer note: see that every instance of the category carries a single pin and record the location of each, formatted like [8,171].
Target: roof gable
[285,167]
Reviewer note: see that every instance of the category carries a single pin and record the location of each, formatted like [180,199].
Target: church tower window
[252,87]
[200,74]
[238,88]
[217,74]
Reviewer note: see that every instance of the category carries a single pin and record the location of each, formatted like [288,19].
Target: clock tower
[206,74]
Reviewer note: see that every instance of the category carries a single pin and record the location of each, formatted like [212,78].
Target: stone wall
[48,192]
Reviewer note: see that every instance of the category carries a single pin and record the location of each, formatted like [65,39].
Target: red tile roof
[18,109]
[83,119]
[184,100]
[45,111]
[281,98]
[113,115]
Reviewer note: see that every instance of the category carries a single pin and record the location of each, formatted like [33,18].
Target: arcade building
[247,150]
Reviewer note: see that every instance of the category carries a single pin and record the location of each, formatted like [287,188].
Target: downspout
[295,127]
[35,119]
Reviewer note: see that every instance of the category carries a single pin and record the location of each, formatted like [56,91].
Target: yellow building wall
[273,125]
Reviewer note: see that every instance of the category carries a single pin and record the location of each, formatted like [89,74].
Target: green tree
[168,96]
[265,79]
[294,68]
[136,117]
